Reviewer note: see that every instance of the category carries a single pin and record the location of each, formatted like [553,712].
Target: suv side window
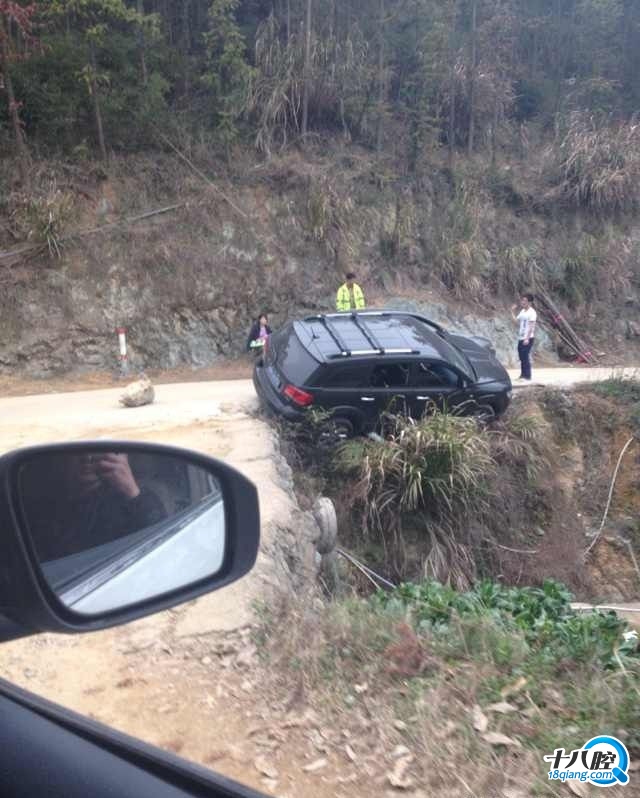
[390,375]
[347,376]
[434,375]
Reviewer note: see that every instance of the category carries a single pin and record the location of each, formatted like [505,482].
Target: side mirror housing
[96,534]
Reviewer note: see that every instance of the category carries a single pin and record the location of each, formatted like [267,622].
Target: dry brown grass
[598,165]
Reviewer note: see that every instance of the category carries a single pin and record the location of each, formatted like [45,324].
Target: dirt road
[160,678]
[567,376]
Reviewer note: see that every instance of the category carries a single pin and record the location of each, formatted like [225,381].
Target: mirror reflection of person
[75,502]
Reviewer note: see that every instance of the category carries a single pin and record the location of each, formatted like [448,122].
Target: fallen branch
[122,222]
[370,574]
[201,174]
[21,253]
[612,486]
[563,326]
[634,559]
[508,548]
[593,607]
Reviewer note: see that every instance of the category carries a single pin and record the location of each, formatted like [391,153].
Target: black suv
[358,365]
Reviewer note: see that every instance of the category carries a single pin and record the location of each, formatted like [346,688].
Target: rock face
[138,393]
[633,329]
[188,285]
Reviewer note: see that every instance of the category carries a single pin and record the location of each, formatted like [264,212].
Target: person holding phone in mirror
[112,469]
[88,500]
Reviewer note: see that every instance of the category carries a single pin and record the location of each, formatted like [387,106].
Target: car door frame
[419,397]
[378,400]
[341,401]
[113,762]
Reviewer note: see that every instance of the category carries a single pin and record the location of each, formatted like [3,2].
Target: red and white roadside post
[122,346]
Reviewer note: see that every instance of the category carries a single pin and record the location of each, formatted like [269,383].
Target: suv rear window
[294,361]
[347,376]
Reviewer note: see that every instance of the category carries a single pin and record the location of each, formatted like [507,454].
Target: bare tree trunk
[141,46]
[534,53]
[166,13]
[21,144]
[307,66]
[288,21]
[472,75]
[565,54]
[452,117]
[381,80]
[186,44]
[494,131]
[96,101]
[452,91]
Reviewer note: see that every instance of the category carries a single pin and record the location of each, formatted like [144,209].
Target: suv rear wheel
[334,431]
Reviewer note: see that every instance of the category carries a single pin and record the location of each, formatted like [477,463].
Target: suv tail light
[298,396]
[265,348]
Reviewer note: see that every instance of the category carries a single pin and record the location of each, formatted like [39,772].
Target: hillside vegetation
[475,148]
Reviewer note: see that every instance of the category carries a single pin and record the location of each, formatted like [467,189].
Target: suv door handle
[367,399]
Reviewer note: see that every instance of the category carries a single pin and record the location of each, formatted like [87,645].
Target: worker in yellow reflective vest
[350,296]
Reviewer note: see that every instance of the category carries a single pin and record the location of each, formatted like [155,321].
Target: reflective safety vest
[343,298]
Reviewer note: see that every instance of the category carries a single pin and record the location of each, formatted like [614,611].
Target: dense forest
[476,148]
[90,77]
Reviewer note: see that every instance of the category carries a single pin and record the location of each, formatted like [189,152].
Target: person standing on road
[258,333]
[350,296]
[526,320]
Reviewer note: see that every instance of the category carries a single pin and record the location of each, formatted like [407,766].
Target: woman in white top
[526,320]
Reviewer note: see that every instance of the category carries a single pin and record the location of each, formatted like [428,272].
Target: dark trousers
[524,352]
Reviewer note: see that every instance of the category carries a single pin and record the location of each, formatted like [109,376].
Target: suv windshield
[459,359]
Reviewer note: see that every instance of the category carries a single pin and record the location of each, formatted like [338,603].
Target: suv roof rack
[344,351]
[361,324]
[377,348]
[384,312]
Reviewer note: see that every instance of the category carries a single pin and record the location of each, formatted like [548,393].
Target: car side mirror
[97,534]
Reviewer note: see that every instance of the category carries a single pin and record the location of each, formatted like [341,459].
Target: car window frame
[388,364]
[324,375]
[461,382]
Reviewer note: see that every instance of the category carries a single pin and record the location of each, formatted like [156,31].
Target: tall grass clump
[455,243]
[42,218]
[598,165]
[427,474]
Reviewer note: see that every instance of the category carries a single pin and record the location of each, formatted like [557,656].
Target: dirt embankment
[187,283]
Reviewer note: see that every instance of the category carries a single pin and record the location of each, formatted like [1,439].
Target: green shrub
[550,627]
[626,389]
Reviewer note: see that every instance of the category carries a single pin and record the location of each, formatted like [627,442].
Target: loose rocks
[138,393]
